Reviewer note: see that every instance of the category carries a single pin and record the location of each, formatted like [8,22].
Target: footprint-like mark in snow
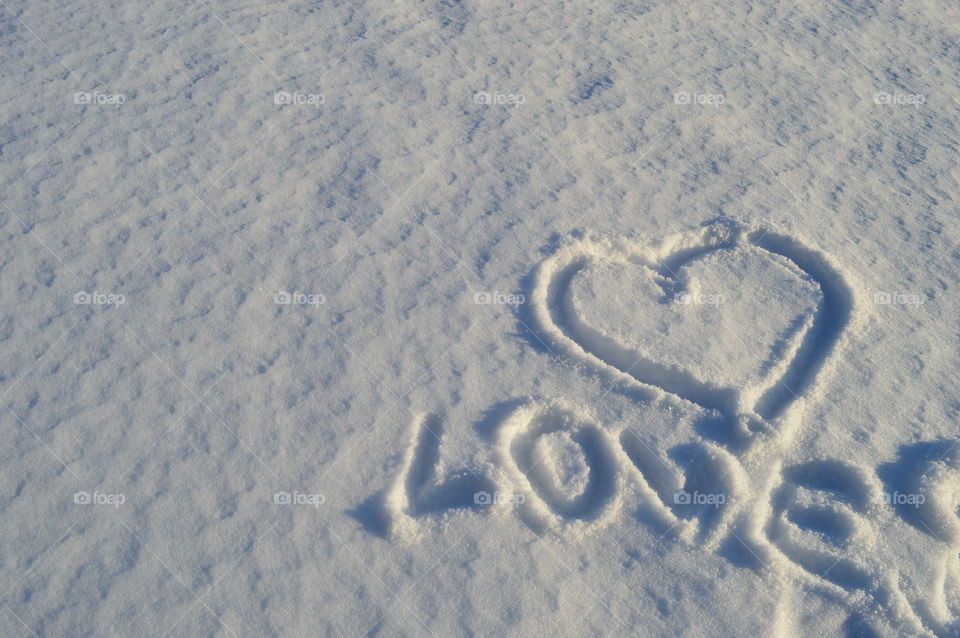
[923,487]
[930,470]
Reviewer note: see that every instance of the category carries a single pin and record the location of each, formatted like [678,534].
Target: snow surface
[479,318]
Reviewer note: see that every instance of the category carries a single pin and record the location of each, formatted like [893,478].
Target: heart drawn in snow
[733,318]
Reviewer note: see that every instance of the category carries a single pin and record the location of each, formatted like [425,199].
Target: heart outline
[830,320]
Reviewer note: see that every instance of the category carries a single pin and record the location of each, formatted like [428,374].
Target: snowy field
[463,318]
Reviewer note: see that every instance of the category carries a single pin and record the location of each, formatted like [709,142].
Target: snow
[463,318]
